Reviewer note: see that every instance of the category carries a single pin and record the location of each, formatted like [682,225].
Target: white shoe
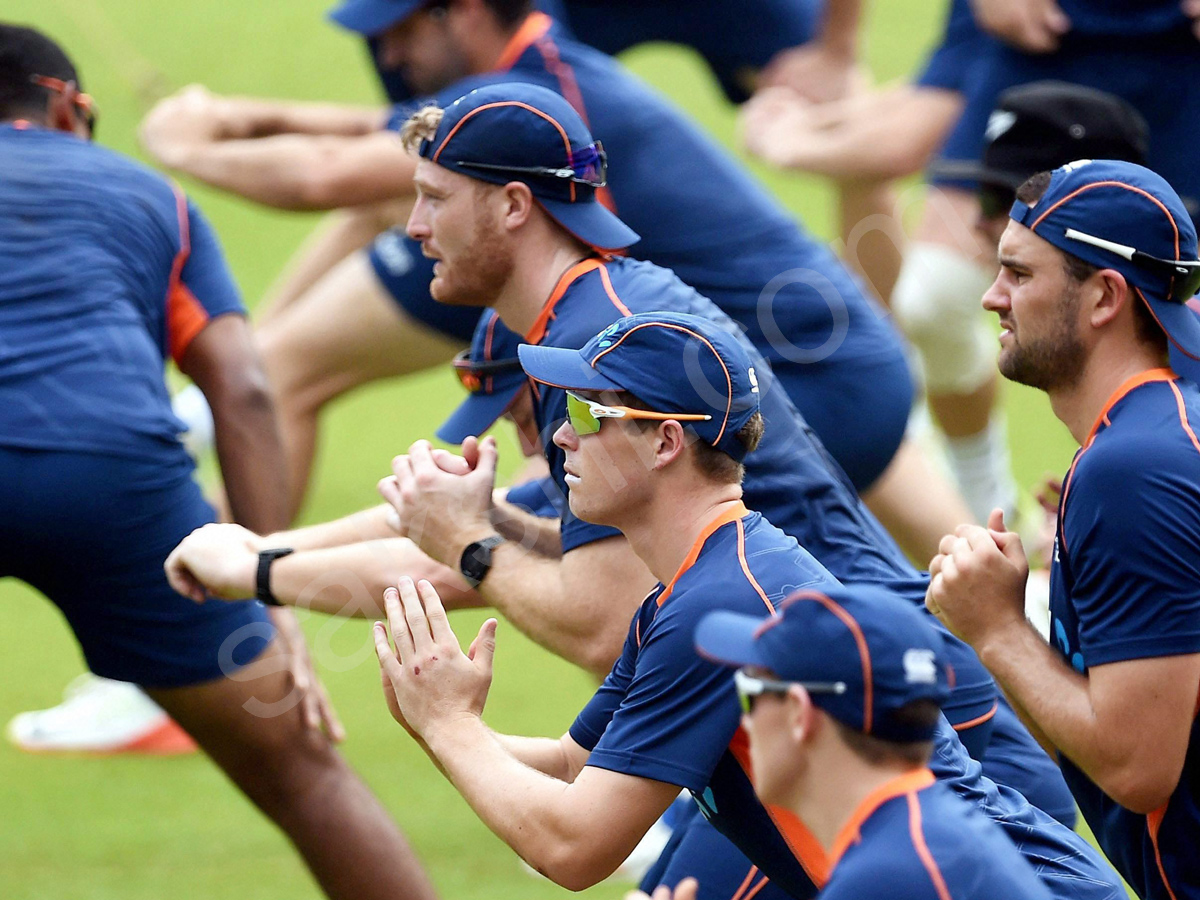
[100,716]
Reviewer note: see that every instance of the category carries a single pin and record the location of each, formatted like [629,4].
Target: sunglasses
[472,373]
[84,103]
[588,166]
[751,687]
[1183,275]
[585,415]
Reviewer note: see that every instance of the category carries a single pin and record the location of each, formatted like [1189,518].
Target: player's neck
[832,790]
[1107,368]
[664,531]
[538,267]
[487,46]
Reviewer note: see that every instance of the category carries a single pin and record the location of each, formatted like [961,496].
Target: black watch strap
[476,560]
[262,582]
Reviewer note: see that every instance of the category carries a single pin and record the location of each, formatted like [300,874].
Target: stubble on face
[1055,359]
[482,267]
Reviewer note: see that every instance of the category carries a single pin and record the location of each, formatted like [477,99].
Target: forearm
[530,811]
[546,755]
[537,534]
[293,171]
[1050,697]
[250,117]
[250,453]
[349,581]
[367,525]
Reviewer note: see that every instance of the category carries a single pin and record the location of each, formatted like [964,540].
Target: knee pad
[936,303]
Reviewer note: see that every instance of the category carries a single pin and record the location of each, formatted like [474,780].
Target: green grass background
[140,828]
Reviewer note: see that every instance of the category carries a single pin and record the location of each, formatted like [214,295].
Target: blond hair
[421,126]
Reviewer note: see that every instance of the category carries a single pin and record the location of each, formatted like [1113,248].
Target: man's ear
[670,443]
[519,204]
[1108,293]
[803,718]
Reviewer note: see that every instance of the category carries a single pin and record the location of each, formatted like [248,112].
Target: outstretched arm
[291,156]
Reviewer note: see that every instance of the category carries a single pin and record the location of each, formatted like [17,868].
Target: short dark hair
[1148,329]
[25,53]
[717,465]
[918,714]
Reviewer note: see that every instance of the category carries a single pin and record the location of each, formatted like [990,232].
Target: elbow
[1141,791]
[1140,782]
[598,653]
[574,868]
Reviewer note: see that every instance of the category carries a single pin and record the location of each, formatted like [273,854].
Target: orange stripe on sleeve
[978,720]
[737,895]
[186,318]
[918,839]
[612,292]
[741,550]
[1183,417]
[758,887]
[1153,824]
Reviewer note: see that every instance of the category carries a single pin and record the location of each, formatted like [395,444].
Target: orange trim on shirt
[918,838]
[538,330]
[1120,184]
[736,511]
[186,316]
[1183,419]
[606,279]
[753,892]
[1147,377]
[978,720]
[741,548]
[1153,824]
[535,25]
[737,895]
[849,833]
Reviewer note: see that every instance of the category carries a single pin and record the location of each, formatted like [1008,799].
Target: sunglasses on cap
[588,166]
[1183,275]
[82,102]
[751,687]
[472,373]
[585,415]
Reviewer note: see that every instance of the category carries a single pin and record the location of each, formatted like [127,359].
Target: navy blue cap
[522,132]
[370,17]
[673,362]
[1127,205]
[491,373]
[879,646]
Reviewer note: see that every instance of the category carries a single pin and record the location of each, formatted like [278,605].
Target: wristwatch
[262,590]
[476,559]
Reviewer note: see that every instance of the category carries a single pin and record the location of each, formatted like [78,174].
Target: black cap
[1046,124]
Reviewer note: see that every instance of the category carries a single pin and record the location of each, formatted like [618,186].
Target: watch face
[477,559]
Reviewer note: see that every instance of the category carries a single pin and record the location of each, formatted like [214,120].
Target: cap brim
[563,368]
[475,415]
[592,223]
[967,170]
[1180,322]
[730,639]
[370,17]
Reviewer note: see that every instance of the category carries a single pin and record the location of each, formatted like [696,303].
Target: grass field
[134,828]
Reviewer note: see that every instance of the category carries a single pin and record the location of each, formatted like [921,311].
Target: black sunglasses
[1182,275]
[589,166]
[471,373]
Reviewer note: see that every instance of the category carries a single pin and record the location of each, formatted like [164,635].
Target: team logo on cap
[753,380]
[998,123]
[919,666]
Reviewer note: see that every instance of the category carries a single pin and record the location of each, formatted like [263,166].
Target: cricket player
[1096,267]
[106,272]
[661,410]
[840,692]
[372,315]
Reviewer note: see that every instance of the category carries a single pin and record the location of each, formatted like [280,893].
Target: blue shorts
[1159,76]
[91,532]
[735,39]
